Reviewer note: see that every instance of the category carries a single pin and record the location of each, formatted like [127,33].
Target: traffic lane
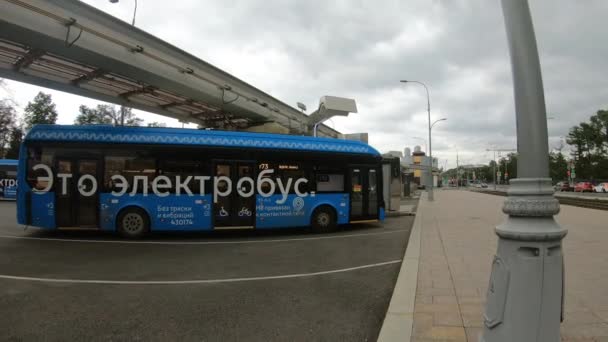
[339,306]
[142,261]
[582,194]
[346,306]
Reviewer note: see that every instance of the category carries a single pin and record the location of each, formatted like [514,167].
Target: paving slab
[456,249]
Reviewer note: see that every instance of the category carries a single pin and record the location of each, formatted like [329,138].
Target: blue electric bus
[8,179]
[138,179]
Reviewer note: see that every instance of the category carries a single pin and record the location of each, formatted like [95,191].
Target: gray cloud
[299,51]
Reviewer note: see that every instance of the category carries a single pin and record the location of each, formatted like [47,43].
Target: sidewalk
[457,245]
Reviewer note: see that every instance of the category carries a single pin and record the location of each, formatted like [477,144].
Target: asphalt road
[249,286]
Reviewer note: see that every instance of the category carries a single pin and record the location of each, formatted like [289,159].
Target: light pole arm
[428,96]
[134,13]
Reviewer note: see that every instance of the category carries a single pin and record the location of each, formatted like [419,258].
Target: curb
[399,319]
[399,213]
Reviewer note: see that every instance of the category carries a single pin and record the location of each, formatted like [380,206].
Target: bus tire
[133,223]
[323,219]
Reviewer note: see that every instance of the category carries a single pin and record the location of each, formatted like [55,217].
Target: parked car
[583,187]
[602,187]
[563,186]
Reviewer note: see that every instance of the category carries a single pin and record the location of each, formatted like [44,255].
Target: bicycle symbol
[245,212]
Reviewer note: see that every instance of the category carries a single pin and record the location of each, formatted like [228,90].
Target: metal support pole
[525,295]
[134,13]
[428,110]
[457,172]
[494,172]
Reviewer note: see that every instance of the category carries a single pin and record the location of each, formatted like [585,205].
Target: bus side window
[36,156]
[329,179]
[330,182]
[129,167]
[265,186]
[182,168]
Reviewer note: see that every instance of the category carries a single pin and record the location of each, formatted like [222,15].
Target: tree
[130,119]
[8,116]
[590,147]
[40,111]
[558,166]
[14,143]
[106,114]
[93,116]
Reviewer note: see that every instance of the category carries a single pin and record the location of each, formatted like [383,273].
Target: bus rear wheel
[133,223]
[323,220]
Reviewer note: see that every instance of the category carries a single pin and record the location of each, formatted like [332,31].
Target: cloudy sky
[299,51]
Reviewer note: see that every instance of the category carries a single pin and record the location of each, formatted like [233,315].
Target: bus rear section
[8,179]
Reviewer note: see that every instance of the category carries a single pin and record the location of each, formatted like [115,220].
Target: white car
[602,187]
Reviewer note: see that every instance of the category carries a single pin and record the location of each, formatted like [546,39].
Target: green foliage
[107,114]
[14,143]
[558,166]
[8,118]
[589,141]
[40,111]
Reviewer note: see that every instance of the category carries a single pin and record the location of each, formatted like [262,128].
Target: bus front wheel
[323,220]
[133,223]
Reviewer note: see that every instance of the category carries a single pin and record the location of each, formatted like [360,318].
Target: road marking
[15,237]
[201,281]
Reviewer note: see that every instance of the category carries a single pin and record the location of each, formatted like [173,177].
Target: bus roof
[180,136]
[8,162]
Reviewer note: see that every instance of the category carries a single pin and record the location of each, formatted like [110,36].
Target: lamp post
[428,109]
[526,290]
[134,10]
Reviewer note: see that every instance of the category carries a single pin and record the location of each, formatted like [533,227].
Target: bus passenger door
[87,193]
[363,193]
[76,202]
[234,210]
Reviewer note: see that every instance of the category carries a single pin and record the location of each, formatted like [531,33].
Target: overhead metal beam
[69,88]
[90,76]
[103,42]
[143,90]
[28,59]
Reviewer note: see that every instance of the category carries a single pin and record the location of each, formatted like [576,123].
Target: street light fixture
[436,121]
[428,109]
[134,10]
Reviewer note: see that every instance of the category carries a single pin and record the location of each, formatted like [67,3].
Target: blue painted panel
[296,211]
[173,212]
[8,162]
[10,192]
[43,209]
[178,136]
[24,190]
[382,214]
